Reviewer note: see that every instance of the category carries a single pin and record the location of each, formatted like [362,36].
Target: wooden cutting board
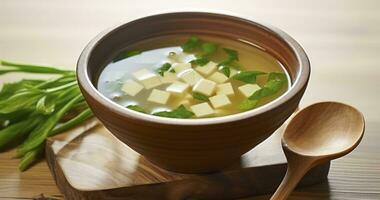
[88,162]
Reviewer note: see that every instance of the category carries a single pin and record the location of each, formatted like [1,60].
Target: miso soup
[182,76]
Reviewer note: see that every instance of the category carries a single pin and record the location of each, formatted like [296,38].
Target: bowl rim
[300,81]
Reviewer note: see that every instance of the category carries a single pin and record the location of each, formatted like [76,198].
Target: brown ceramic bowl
[193,145]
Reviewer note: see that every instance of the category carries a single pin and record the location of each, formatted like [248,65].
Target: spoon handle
[292,177]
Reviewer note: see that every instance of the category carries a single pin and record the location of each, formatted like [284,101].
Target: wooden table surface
[342,39]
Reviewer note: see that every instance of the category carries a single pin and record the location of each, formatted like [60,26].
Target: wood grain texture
[321,132]
[341,38]
[95,165]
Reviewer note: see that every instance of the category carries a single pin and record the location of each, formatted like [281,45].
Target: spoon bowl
[324,129]
[319,133]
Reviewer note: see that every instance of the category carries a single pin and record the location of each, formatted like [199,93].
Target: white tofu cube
[168,77]
[207,69]
[202,110]
[205,87]
[159,96]
[178,88]
[141,74]
[179,67]
[219,101]
[225,88]
[147,78]
[131,87]
[218,77]
[190,76]
[248,89]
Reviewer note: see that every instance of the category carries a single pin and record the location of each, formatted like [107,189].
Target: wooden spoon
[321,132]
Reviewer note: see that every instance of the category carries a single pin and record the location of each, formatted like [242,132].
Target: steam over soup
[192,77]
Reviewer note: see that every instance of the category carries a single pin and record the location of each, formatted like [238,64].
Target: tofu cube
[179,67]
[225,88]
[219,101]
[205,87]
[141,74]
[190,76]
[218,77]
[131,87]
[147,78]
[207,69]
[202,110]
[178,88]
[159,96]
[248,89]
[168,77]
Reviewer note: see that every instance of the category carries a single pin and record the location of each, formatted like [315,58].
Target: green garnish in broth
[248,76]
[180,112]
[191,44]
[248,104]
[276,81]
[225,70]
[200,96]
[232,55]
[136,108]
[200,61]
[164,67]
[209,48]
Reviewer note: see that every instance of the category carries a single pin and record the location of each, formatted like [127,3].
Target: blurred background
[342,38]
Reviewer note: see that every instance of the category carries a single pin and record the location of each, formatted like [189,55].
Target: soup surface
[181,76]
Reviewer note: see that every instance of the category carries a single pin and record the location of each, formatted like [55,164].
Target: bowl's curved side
[196,145]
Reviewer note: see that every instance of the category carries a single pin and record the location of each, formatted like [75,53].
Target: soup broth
[182,76]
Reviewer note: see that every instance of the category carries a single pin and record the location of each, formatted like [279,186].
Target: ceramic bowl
[193,145]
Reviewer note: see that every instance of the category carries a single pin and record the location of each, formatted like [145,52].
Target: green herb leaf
[231,60]
[81,117]
[191,44]
[10,89]
[136,108]
[232,54]
[200,61]
[20,101]
[41,132]
[248,104]
[225,70]
[16,67]
[165,67]
[247,76]
[276,81]
[17,131]
[30,158]
[180,112]
[209,48]
[126,54]
[43,107]
[200,96]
